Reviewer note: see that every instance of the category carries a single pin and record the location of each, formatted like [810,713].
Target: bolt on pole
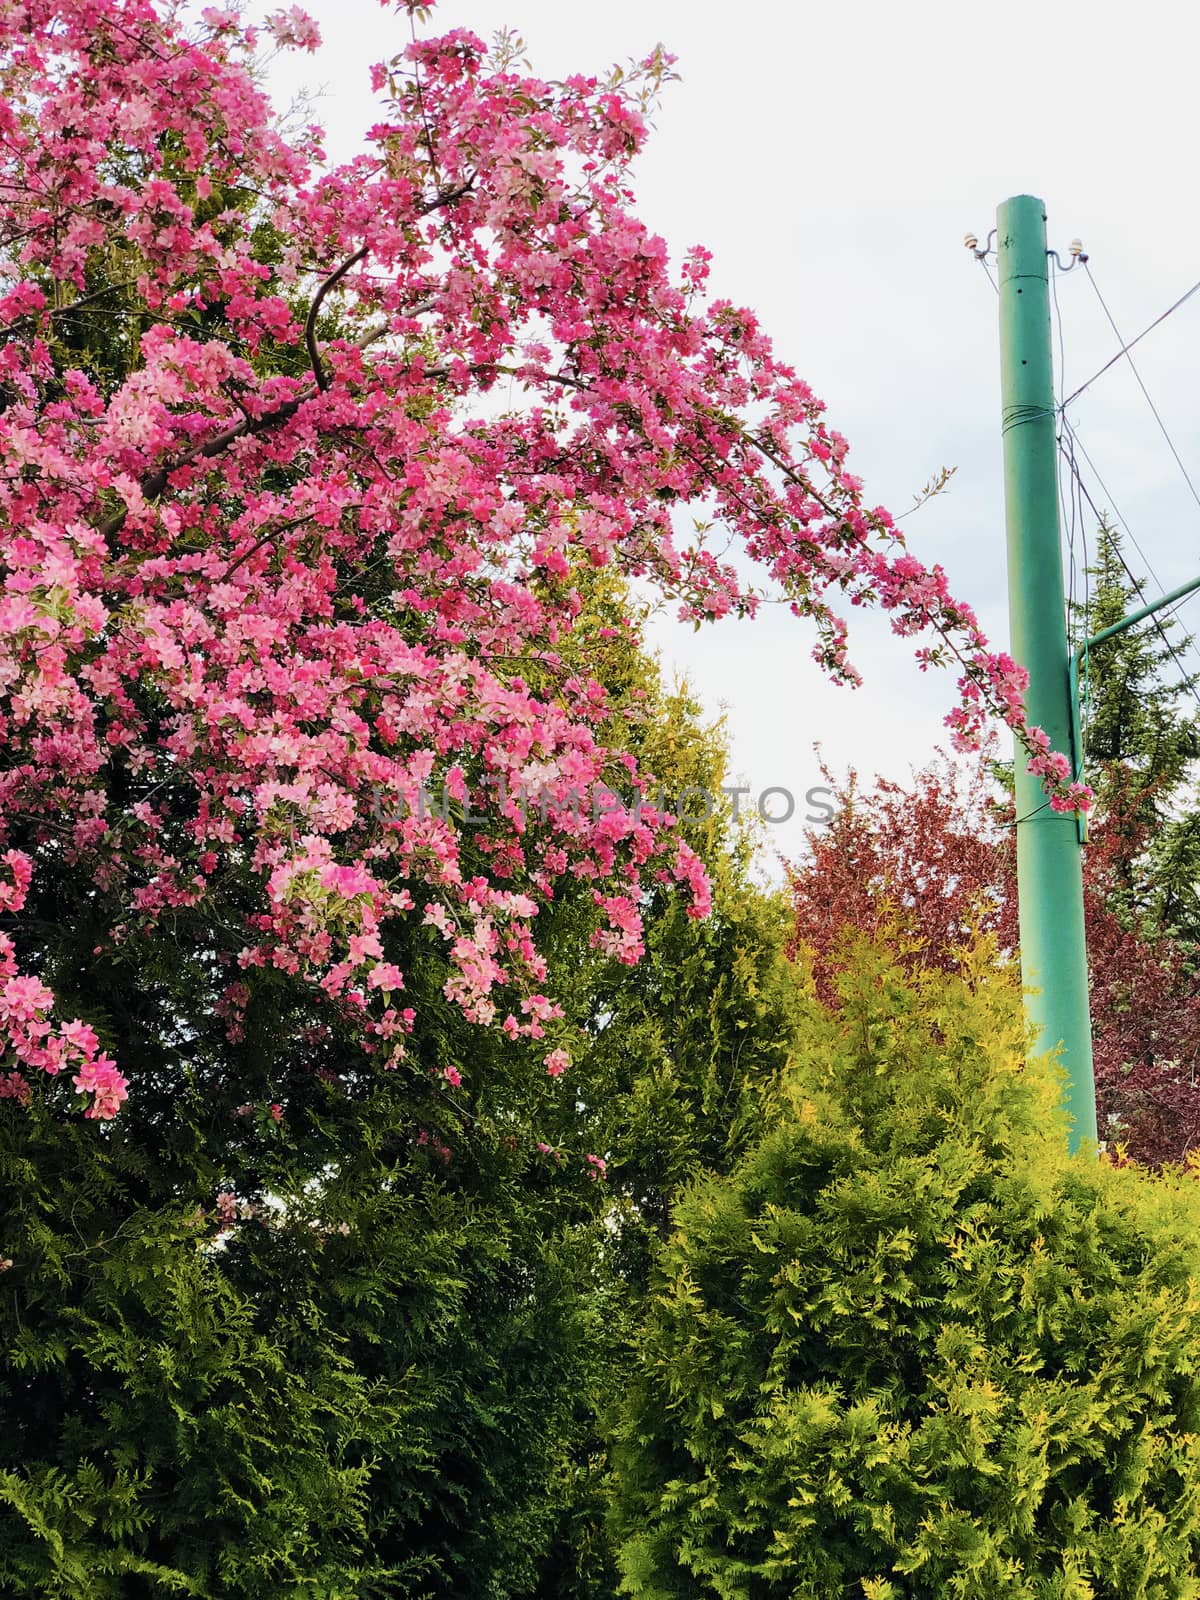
[1049,864]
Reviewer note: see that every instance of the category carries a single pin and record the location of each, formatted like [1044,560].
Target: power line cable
[1067,451]
[1017,821]
[1070,510]
[1189,678]
[1189,639]
[1125,349]
[1077,444]
[1078,624]
[1141,385]
[1177,607]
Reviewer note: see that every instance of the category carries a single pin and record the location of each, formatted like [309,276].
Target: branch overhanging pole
[1049,865]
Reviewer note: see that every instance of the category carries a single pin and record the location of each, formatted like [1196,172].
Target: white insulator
[971,242]
[1076,247]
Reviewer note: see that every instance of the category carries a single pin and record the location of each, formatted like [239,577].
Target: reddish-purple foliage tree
[934,862]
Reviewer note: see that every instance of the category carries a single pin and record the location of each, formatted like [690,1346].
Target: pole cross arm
[1134,617]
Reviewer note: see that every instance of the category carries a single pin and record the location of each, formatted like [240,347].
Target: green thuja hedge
[908,1349]
[363,1394]
[154,1437]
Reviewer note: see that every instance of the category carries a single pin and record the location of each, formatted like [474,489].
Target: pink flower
[14,1087]
[101,1079]
[12,896]
[294,27]
[22,999]
[384,975]
[557,1063]
[452,1076]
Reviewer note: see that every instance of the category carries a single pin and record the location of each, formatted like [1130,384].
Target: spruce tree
[1141,734]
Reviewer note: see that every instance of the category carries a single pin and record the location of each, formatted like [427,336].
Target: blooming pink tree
[298,470]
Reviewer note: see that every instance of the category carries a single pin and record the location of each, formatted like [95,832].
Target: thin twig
[310,325]
[271,533]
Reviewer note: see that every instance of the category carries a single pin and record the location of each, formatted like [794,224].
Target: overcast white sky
[832,158]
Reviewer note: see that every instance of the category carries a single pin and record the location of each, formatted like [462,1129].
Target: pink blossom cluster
[185,611]
[31,1040]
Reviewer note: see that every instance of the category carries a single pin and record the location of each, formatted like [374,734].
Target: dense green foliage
[361,1394]
[908,1349]
[155,1439]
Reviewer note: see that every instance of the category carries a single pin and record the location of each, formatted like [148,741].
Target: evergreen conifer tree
[1141,735]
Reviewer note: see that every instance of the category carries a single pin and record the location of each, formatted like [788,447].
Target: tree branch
[310,324]
[155,482]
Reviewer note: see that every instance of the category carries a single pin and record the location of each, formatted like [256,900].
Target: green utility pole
[1049,868]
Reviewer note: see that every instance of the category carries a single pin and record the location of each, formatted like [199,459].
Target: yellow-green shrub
[908,1348]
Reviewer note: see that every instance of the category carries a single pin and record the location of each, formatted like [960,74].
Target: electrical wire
[1069,442]
[1189,678]
[1125,349]
[1077,444]
[1018,416]
[1066,506]
[1177,607]
[1077,621]
[1062,348]
[1189,641]
[1017,821]
[1141,385]
[1071,518]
